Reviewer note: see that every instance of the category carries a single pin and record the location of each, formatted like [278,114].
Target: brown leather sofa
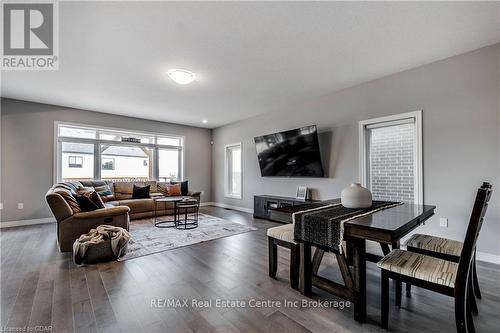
[120,208]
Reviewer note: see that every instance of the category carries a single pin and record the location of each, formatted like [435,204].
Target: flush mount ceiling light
[204,121]
[181,76]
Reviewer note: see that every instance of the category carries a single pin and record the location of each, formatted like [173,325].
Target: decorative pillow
[105,192]
[94,197]
[153,186]
[162,188]
[174,190]
[140,192]
[85,203]
[184,186]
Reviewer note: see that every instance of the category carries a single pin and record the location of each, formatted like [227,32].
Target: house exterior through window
[115,154]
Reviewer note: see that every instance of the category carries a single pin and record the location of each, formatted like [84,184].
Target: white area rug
[147,239]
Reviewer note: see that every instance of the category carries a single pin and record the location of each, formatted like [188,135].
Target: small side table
[190,210]
[163,223]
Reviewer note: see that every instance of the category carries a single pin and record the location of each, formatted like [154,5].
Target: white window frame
[97,142]
[227,171]
[415,116]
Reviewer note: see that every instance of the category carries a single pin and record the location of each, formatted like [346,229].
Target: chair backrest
[475,223]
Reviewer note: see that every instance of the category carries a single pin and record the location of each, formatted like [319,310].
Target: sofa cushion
[124,190]
[93,183]
[138,205]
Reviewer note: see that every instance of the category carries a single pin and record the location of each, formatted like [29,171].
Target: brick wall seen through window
[391,162]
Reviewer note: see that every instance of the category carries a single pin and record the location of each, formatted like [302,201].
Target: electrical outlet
[1,205]
[20,205]
[443,222]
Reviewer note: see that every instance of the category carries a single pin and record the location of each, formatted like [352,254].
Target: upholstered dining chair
[445,249]
[283,236]
[439,275]
[441,248]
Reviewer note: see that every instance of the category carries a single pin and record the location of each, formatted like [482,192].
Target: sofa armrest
[73,227]
[103,212]
[194,194]
[58,205]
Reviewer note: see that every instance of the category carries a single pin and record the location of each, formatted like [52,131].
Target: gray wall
[27,142]
[459,97]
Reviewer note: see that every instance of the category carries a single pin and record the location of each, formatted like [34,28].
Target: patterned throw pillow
[105,192]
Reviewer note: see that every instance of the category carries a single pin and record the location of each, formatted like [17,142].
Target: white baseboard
[218,204]
[20,223]
[488,257]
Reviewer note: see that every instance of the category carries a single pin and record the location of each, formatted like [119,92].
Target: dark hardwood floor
[41,287]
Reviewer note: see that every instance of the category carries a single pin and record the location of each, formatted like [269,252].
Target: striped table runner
[324,226]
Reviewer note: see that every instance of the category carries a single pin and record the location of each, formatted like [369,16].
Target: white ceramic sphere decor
[356,196]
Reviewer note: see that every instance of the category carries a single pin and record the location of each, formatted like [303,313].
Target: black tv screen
[293,153]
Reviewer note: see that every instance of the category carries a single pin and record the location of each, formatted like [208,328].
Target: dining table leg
[305,281]
[316,260]
[359,275]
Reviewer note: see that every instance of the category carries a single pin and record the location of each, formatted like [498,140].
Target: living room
[250,167]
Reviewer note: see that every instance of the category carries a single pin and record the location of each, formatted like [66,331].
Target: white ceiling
[250,58]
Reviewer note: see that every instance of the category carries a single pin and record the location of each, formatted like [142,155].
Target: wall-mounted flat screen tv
[293,153]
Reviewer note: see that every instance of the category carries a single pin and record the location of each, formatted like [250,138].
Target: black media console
[263,204]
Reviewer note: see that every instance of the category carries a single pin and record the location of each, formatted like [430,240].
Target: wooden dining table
[385,227]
